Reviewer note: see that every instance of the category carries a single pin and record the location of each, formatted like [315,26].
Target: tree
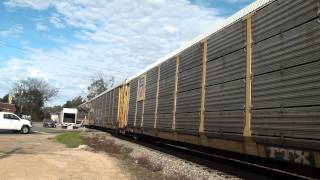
[31,95]
[75,102]
[99,85]
[47,111]
[5,98]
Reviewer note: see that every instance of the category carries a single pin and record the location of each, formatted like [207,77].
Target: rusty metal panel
[224,122]
[188,101]
[227,40]
[132,102]
[139,113]
[189,79]
[300,122]
[166,86]
[297,46]
[187,122]
[282,15]
[164,121]
[226,68]
[226,96]
[190,57]
[292,87]
[168,69]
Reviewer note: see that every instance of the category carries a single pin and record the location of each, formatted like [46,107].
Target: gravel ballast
[168,166]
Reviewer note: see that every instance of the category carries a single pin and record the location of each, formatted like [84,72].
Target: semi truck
[68,117]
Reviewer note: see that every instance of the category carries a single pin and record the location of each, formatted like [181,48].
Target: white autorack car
[10,121]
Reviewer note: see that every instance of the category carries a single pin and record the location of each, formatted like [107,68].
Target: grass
[70,139]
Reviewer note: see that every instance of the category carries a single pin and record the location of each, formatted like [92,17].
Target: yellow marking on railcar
[247,128]
[157,100]
[143,99]
[203,84]
[175,93]
[123,106]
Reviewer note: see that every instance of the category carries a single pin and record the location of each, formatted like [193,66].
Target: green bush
[70,139]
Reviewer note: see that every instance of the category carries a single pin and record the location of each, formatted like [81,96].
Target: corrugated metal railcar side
[115,108]
[132,102]
[166,95]
[225,81]
[150,98]
[188,90]
[286,68]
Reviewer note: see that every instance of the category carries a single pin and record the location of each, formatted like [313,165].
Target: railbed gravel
[170,166]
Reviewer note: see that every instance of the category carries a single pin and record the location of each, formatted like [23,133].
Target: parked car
[49,123]
[10,121]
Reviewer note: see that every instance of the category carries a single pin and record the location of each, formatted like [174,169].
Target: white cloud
[237,1]
[56,21]
[41,27]
[35,4]
[11,31]
[118,38]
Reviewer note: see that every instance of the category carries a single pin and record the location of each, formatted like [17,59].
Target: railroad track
[242,166]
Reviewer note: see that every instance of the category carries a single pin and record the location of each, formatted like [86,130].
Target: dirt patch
[37,157]
[107,145]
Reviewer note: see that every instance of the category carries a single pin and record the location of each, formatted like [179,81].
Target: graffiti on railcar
[141,88]
[291,155]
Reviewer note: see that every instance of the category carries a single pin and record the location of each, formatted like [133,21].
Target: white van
[10,121]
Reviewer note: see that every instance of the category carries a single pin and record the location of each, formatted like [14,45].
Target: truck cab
[10,121]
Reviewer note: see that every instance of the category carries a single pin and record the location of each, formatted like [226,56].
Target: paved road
[38,129]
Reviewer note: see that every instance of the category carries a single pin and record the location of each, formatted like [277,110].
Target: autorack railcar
[251,86]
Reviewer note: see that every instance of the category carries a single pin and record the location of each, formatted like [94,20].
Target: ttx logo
[296,156]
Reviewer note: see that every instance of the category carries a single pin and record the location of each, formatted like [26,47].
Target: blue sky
[67,42]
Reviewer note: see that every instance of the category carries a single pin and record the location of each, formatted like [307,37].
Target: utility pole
[19,98]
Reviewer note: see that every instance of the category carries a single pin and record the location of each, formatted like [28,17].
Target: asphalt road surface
[39,129]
